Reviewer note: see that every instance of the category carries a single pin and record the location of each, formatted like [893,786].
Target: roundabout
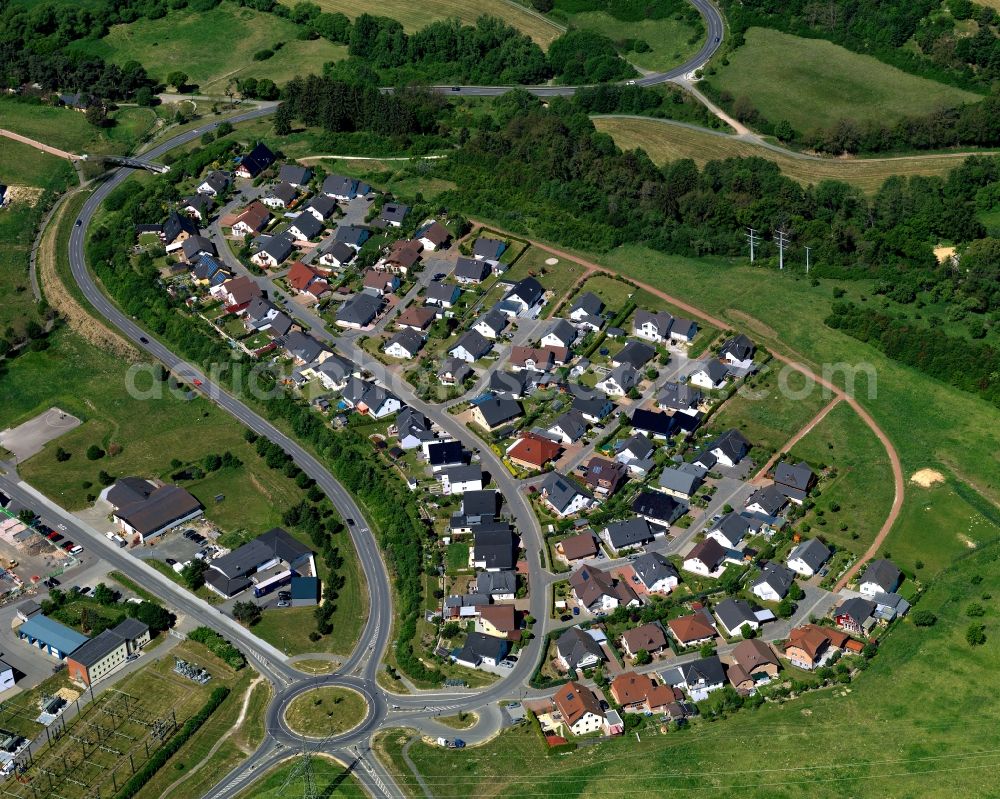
[325,711]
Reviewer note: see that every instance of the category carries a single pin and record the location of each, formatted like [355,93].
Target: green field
[813,83]
[69,130]
[671,41]
[329,780]
[203,45]
[615,293]
[325,711]
[664,141]
[414,16]
[927,697]
[556,278]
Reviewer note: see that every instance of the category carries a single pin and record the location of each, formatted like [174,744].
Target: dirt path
[45,148]
[819,417]
[836,391]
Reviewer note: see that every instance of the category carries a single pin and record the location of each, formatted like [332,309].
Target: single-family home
[730,530]
[569,427]
[639,693]
[198,206]
[491,324]
[795,481]
[652,326]
[255,162]
[679,398]
[470,347]
[683,331]
[486,249]
[280,195]
[707,558]
[579,708]
[353,236]
[359,311]
[889,606]
[649,637]
[562,495]
[585,307]
[301,347]
[433,235]
[413,429]
[306,227]
[500,621]
[493,414]
[628,534]
[578,547]
[754,664]
[443,454]
[811,646]
[656,573]
[453,371]
[214,184]
[321,207]
[536,359]
[881,577]
[523,299]
[300,276]
[658,509]
[738,351]
[195,246]
[334,372]
[619,381]
[728,449]
[767,500]
[681,481]
[634,353]
[855,615]
[560,334]
[494,548]
[209,271]
[336,254]
[415,317]
[694,629]
[236,294]
[594,408]
[734,615]
[598,592]
[381,282]
[442,295]
[499,586]
[295,175]
[808,557]
[699,678]
[478,511]
[773,583]
[392,215]
[577,649]
[176,230]
[532,451]
[480,649]
[340,188]
[402,257]
[469,271]
[405,344]
[655,424]
[273,251]
[252,220]
[711,374]
[604,477]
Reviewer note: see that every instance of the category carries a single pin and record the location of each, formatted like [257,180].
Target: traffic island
[325,711]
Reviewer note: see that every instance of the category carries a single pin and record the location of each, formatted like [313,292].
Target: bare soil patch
[926,478]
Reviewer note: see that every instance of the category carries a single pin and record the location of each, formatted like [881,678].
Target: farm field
[201,45]
[813,83]
[414,16]
[664,141]
[940,744]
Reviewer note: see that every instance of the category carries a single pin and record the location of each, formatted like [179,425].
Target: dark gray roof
[740,347]
[177,224]
[284,192]
[491,249]
[560,490]
[495,320]
[660,320]
[203,203]
[708,670]
[218,181]
[496,547]
[733,526]
[498,410]
[308,225]
[684,479]
[797,476]
[196,245]
[323,204]
[655,422]
[474,342]
[343,253]
[394,212]
[442,292]
[360,309]
[635,353]
[479,504]
[471,269]
[589,303]
[164,505]
[127,490]
[657,505]
[257,160]
[625,376]
[513,383]
[770,499]
[275,543]
[293,173]
[340,186]
[97,648]
[479,645]
[629,533]
[716,370]
[504,582]
[564,331]
[734,613]
[574,645]
[528,290]
[278,247]
[640,446]
[464,473]
[883,573]
[302,346]
[409,340]
[596,406]
[813,552]
[652,567]
[857,608]
[732,443]
[679,396]
[572,424]
[352,234]
[777,576]
[441,453]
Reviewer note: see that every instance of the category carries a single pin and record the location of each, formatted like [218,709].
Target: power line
[754,238]
[808,249]
[782,243]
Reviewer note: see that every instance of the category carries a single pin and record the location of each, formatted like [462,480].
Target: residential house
[488,249]
[569,427]
[300,276]
[413,429]
[442,295]
[443,454]
[494,549]
[738,351]
[707,558]
[383,283]
[730,530]
[679,398]
[478,512]
[634,353]
[433,235]
[295,175]
[532,451]
[767,500]
[415,317]
[535,359]
[340,188]
[693,630]
[683,331]
[855,615]
[658,509]
[577,649]
[354,236]
[306,227]
[638,693]
[495,413]
[649,637]
[374,401]
[255,162]
[469,271]
[637,454]
[405,344]
[889,606]
[728,449]
[513,385]
[579,708]
[754,664]
[735,615]
[808,557]
[795,481]
[453,371]
[881,577]
[491,324]
[712,374]
[681,481]
[560,334]
[811,646]
[499,621]
[773,583]
[699,678]
[480,649]
[176,230]
[586,307]
[499,586]
[578,547]
[198,206]
[214,184]
[605,477]
[524,299]
[359,311]
[654,424]
[656,573]
[334,372]
[392,215]
[252,220]
[619,381]
[627,535]
[321,207]
[209,271]
[594,408]
[302,347]
[237,293]
[196,246]
[470,347]
[562,495]
[280,195]
[336,254]
[652,326]
[403,255]
[273,251]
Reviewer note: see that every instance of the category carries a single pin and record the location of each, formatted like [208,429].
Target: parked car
[284,603]
[576,611]
[171,561]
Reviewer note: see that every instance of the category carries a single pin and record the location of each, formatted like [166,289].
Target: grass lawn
[325,711]
[813,83]
[69,130]
[927,693]
[664,141]
[615,293]
[329,779]
[457,557]
[863,484]
[462,721]
[556,278]
[670,40]
[201,44]
[414,16]
[766,412]
[991,220]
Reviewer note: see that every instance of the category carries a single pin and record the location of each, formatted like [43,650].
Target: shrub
[94,452]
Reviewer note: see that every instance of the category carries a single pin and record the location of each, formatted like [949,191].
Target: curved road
[359,670]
